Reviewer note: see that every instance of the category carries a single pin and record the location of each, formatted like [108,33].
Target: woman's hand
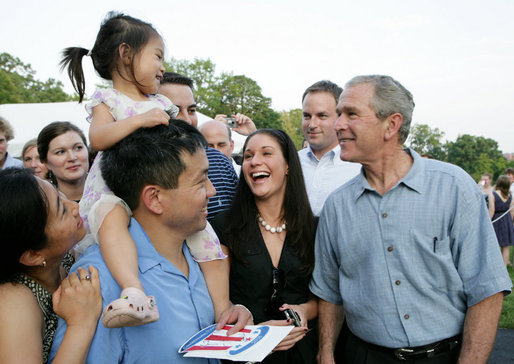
[78,300]
[153,118]
[299,309]
[292,338]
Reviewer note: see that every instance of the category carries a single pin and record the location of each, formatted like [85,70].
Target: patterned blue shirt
[184,304]
[223,178]
[407,265]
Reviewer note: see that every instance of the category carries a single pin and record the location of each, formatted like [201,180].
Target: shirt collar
[414,179]
[333,154]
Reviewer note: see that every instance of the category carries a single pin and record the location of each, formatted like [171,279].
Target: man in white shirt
[219,136]
[323,170]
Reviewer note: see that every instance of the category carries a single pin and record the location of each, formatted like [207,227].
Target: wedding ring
[87,278]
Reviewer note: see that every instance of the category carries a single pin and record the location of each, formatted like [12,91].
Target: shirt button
[406,316]
[389,248]
[384,215]
[397,283]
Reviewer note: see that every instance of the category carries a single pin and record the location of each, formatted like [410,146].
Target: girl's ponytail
[72,61]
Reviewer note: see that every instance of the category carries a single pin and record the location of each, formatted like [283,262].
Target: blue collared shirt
[325,175]
[10,161]
[184,304]
[407,265]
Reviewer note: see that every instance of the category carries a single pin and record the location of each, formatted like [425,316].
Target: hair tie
[89,53]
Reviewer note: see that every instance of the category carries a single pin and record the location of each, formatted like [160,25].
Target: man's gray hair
[389,97]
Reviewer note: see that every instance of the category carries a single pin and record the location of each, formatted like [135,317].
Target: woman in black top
[269,234]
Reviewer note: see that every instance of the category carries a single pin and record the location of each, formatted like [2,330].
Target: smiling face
[31,160]
[319,117]
[185,207]
[183,98]
[67,158]
[64,227]
[264,167]
[359,131]
[148,66]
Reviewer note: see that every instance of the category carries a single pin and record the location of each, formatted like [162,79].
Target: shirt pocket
[432,262]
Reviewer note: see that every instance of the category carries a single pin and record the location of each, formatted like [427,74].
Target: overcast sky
[456,57]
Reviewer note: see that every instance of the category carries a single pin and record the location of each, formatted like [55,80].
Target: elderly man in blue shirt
[406,247]
[161,173]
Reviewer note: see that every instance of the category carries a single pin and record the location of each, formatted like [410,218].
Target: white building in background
[28,120]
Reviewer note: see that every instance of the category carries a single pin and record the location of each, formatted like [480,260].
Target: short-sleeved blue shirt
[407,265]
[185,307]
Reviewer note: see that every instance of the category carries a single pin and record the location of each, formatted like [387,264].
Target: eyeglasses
[276,300]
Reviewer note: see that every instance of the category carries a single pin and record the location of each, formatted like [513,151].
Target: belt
[418,352]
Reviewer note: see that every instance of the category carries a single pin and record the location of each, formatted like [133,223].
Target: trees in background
[475,154]
[18,84]
[292,125]
[226,93]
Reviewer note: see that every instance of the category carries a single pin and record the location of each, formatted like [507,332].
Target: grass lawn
[507,316]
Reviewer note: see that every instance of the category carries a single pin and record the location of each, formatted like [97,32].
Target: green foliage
[507,315]
[226,93]
[476,155]
[18,85]
[427,141]
[292,124]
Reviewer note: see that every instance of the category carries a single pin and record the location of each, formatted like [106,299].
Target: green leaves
[18,85]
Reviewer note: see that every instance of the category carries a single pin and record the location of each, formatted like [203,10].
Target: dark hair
[52,131]
[503,185]
[509,171]
[176,78]
[23,218]
[116,29]
[149,156]
[324,86]
[297,209]
[490,175]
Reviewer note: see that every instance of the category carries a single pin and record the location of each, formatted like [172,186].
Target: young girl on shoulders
[130,53]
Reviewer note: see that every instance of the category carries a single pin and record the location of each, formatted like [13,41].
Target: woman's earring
[43,264]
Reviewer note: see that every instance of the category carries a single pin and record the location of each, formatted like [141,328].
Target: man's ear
[231,147]
[125,54]
[150,198]
[32,258]
[394,122]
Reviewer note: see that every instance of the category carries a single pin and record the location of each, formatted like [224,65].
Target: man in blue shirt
[161,173]
[406,246]
[6,134]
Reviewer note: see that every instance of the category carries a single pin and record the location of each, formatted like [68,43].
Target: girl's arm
[105,132]
[307,311]
[512,210]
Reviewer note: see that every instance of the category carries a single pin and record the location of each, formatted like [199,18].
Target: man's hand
[245,125]
[238,315]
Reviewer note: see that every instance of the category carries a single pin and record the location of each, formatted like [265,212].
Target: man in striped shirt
[179,89]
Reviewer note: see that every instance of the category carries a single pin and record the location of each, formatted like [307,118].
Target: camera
[231,122]
[291,314]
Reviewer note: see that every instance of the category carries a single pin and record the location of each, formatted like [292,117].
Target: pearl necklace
[268,227]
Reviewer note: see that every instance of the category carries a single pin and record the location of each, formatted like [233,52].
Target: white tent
[28,120]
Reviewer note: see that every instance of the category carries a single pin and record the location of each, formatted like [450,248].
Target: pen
[435,241]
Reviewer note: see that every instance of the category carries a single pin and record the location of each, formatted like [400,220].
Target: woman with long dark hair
[38,227]
[269,234]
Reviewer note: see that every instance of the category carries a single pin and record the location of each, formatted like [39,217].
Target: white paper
[253,343]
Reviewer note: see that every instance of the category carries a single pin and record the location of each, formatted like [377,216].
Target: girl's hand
[153,118]
[292,338]
[78,300]
[299,310]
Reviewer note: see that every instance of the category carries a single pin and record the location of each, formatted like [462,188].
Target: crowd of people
[110,257]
